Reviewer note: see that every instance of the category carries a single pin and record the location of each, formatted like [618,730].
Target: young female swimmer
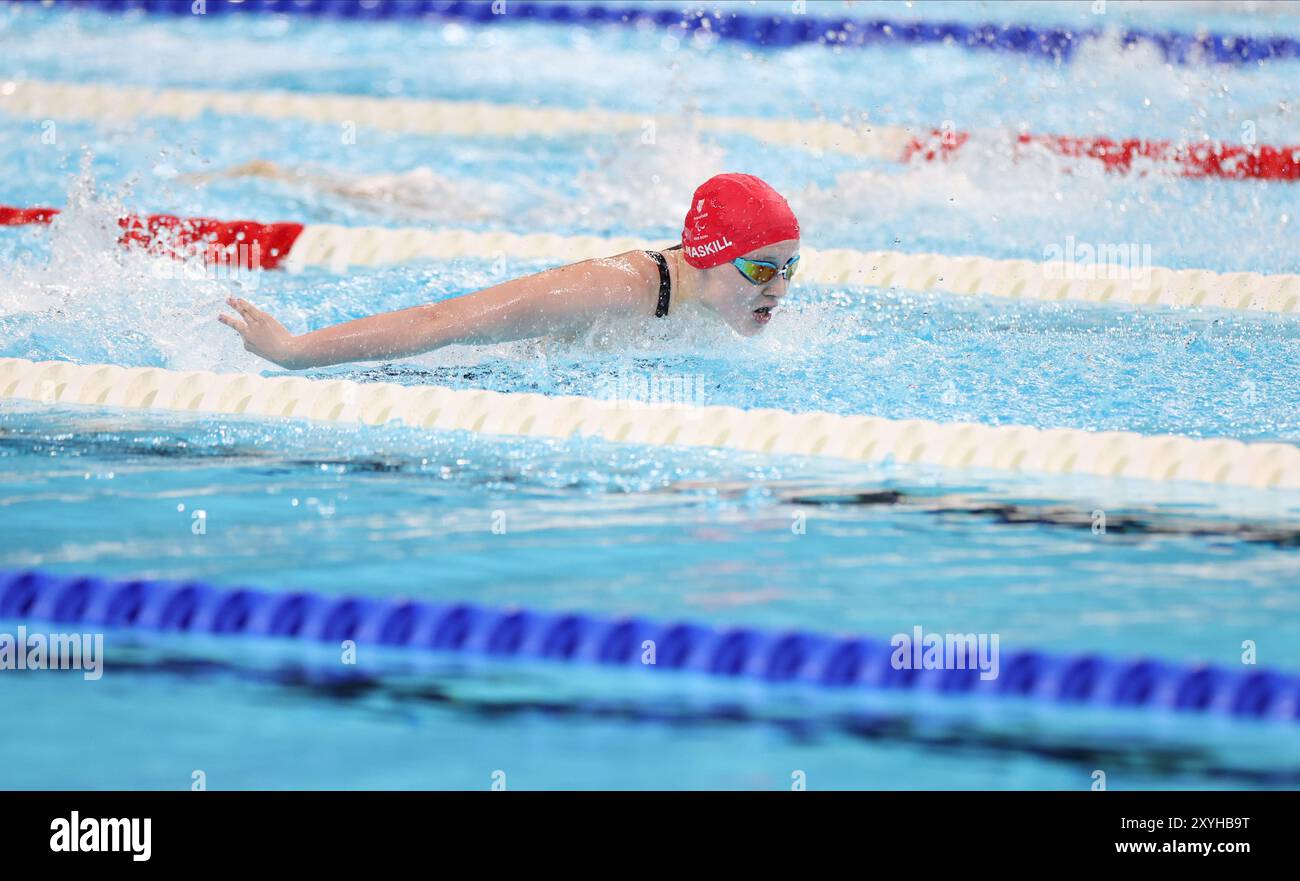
[739,250]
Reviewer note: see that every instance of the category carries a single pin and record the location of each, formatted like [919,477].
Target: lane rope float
[961,446]
[217,241]
[1200,159]
[46,100]
[777,658]
[42,100]
[295,246]
[767,31]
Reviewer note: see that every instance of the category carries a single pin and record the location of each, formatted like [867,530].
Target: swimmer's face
[746,307]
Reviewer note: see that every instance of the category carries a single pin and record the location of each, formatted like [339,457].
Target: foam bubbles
[91,300]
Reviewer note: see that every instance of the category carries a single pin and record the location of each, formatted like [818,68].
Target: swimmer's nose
[777,287]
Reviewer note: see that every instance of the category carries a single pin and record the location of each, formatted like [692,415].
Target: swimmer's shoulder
[634,268]
[626,281]
[649,278]
[640,262]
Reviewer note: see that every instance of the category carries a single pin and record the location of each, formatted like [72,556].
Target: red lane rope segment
[267,244]
[1231,161]
[10,216]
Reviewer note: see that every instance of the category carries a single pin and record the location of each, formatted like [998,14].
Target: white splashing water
[93,301]
[645,183]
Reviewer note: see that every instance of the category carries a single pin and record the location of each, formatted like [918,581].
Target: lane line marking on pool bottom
[859,438]
[1118,275]
[893,143]
[906,662]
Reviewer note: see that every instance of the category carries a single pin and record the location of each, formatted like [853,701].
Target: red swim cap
[731,215]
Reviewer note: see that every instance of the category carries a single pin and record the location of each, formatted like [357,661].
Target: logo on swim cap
[743,214]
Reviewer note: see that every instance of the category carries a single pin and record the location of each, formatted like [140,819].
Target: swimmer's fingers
[256,318]
[246,334]
[250,313]
[262,334]
[246,310]
[234,324]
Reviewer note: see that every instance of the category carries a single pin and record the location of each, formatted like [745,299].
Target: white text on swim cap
[708,248]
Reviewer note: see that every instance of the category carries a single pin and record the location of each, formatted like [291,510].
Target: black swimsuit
[665,282]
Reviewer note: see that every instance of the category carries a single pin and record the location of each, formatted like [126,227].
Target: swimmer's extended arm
[553,302]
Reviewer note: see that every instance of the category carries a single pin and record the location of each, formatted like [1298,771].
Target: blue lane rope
[756,29]
[794,657]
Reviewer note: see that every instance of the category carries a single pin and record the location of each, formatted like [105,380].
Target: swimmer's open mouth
[763,314]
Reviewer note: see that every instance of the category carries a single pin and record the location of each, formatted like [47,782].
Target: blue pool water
[616,529]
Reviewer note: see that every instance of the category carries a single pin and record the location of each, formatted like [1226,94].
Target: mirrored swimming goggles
[761,271]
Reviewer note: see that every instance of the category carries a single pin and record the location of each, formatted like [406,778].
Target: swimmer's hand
[263,335]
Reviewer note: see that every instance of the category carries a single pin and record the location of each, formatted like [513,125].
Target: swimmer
[420,192]
[739,250]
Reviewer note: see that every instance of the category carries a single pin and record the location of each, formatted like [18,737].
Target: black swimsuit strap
[665,284]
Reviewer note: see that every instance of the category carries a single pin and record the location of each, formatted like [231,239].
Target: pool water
[616,529]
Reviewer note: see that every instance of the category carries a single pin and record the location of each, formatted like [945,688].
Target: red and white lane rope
[42,100]
[295,246]
[1131,155]
[168,234]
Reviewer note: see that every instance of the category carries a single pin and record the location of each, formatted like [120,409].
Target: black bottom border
[331,829]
